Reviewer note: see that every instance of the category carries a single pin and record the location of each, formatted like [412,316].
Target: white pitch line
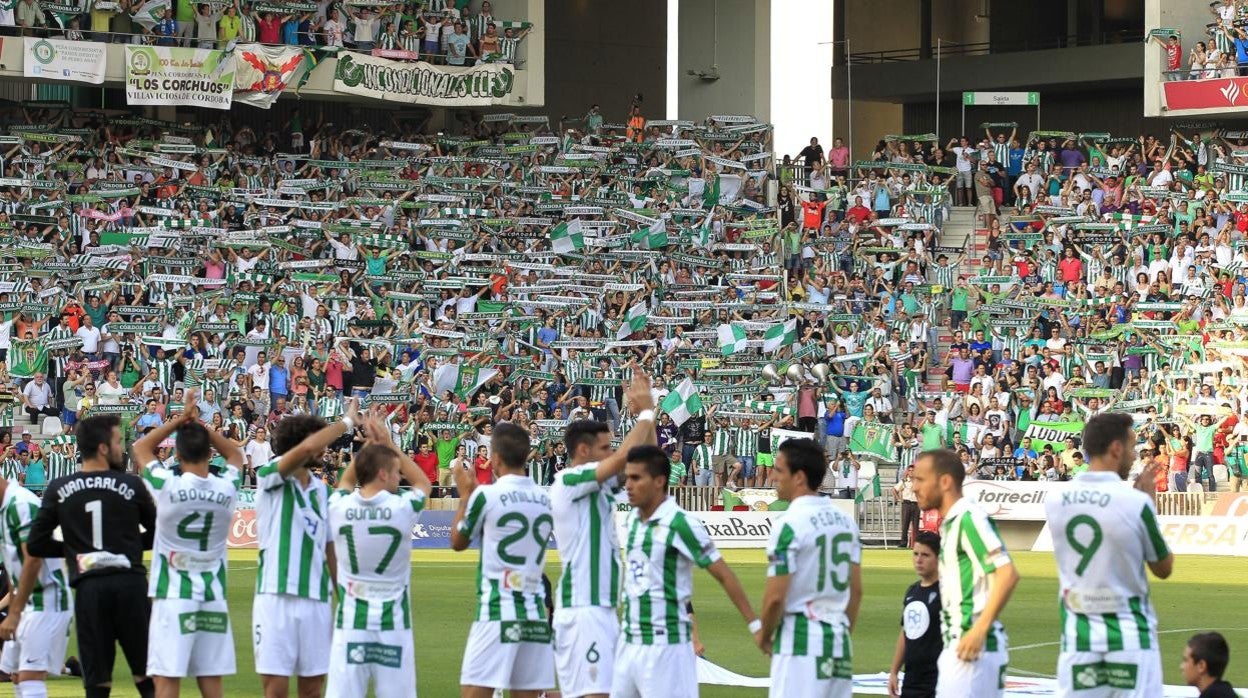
[1038,645]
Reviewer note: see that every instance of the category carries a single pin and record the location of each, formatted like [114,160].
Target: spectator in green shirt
[445,446]
[678,468]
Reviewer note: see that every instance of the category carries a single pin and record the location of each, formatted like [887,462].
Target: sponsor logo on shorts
[513,631]
[1112,674]
[203,622]
[375,653]
[833,668]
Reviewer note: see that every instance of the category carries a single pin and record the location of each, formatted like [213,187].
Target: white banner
[262,72]
[53,59]
[193,77]
[1010,501]
[740,529]
[423,83]
[1188,535]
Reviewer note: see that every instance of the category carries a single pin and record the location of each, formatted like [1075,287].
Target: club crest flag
[262,73]
[873,439]
[27,357]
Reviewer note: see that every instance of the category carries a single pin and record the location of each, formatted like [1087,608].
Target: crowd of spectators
[1109,276]
[514,272]
[438,31]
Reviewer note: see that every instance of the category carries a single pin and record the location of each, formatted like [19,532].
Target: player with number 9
[509,643]
[1104,533]
[189,632]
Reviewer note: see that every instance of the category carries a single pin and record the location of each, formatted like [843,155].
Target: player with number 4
[189,632]
[1104,533]
[509,642]
[977,577]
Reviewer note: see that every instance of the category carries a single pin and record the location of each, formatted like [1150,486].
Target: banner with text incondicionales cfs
[171,75]
[423,83]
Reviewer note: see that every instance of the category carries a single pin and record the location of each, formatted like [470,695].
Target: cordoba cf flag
[262,72]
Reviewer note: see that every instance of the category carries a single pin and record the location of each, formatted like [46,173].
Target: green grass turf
[1204,593]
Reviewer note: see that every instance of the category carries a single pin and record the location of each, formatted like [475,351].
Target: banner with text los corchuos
[171,75]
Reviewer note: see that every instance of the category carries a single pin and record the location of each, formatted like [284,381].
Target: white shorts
[811,677]
[189,638]
[288,635]
[1122,674]
[42,638]
[981,678]
[387,658]
[585,640]
[655,671]
[514,655]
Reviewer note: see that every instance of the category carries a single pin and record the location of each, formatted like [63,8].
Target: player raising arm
[107,519]
[1104,534]
[663,543]
[814,582]
[372,529]
[189,632]
[583,502]
[975,656]
[509,643]
[291,615]
[37,636]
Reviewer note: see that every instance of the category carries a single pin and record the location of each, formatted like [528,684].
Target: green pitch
[1205,593]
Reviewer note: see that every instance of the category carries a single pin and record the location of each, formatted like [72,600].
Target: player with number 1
[509,643]
[1104,533]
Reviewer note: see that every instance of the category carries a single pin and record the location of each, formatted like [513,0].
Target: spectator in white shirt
[258,451]
[90,336]
[37,398]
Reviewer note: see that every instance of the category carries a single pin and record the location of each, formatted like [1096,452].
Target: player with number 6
[1104,534]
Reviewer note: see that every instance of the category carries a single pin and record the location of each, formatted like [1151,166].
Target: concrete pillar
[730,39]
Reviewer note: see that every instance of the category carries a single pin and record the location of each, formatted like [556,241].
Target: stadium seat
[51,427]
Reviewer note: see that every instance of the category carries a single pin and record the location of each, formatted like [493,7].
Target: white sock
[33,689]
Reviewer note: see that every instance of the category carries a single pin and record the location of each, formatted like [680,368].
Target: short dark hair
[929,539]
[583,431]
[653,458]
[1210,648]
[806,456]
[512,445]
[193,444]
[94,432]
[1105,429]
[292,431]
[946,462]
[371,460]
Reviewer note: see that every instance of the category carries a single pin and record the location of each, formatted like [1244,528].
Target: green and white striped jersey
[193,516]
[372,541]
[292,526]
[970,550]
[816,546]
[17,512]
[512,517]
[659,555]
[584,515]
[1104,530]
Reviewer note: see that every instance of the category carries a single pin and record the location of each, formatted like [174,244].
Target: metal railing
[983,48]
[307,40]
[1183,503]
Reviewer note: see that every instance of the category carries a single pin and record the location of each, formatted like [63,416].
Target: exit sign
[1001,99]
